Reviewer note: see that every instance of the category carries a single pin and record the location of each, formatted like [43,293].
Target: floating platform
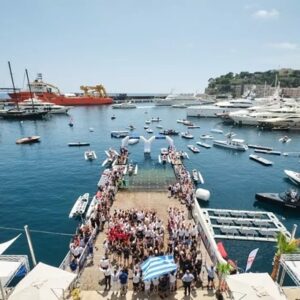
[261,160]
[260,147]
[272,152]
[204,145]
[243,225]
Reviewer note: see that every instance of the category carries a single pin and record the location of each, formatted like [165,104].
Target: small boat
[260,147]
[187,123]
[285,139]
[181,121]
[155,119]
[29,140]
[133,141]
[293,176]
[91,208]
[193,148]
[80,205]
[186,135]
[78,144]
[204,145]
[206,137]
[179,106]
[193,126]
[162,158]
[148,122]
[289,199]
[146,127]
[113,117]
[169,132]
[234,144]
[159,127]
[149,130]
[71,124]
[164,151]
[90,155]
[267,152]
[183,155]
[215,130]
[124,105]
[119,133]
[91,129]
[131,127]
[197,177]
[293,154]
[261,160]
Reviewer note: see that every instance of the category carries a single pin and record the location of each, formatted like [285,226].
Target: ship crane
[90,90]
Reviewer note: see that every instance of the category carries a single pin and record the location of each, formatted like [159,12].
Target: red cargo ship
[92,95]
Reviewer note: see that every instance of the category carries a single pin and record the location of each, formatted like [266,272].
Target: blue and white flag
[157,266]
[251,258]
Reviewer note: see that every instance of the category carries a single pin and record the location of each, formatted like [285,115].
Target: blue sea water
[40,182]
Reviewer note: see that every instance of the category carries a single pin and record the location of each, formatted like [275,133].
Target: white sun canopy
[7,270]
[254,286]
[4,246]
[43,282]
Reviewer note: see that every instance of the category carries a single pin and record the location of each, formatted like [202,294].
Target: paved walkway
[91,275]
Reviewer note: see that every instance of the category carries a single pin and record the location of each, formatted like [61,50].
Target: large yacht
[289,121]
[40,105]
[175,99]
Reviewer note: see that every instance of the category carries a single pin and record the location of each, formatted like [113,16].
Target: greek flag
[157,266]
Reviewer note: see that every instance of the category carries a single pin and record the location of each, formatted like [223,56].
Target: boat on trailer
[80,206]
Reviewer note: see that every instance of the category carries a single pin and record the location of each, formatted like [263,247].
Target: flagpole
[30,245]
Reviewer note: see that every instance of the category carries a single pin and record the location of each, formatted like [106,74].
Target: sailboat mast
[13,83]
[29,89]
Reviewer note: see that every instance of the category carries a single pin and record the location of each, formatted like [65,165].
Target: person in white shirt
[155,282]
[172,279]
[136,281]
[107,278]
[147,287]
[115,281]
[187,279]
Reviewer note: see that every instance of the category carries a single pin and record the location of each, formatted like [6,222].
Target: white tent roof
[254,286]
[4,246]
[44,282]
[7,270]
[291,263]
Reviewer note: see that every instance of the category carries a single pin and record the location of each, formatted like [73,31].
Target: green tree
[284,246]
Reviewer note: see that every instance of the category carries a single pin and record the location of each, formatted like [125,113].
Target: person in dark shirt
[123,277]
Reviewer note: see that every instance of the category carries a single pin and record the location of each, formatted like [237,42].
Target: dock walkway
[91,276]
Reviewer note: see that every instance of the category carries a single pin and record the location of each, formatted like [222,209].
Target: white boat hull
[80,205]
[293,176]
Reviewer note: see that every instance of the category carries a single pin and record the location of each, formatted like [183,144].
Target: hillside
[226,83]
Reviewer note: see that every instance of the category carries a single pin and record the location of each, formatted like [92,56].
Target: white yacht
[235,144]
[177,99]
[289,121]
[43,106]
[222,107]
[124,105]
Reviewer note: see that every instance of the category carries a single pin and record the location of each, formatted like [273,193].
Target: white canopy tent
[44,282]
[4,246]
[254,286]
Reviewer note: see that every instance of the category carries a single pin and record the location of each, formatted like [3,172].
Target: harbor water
[40,182]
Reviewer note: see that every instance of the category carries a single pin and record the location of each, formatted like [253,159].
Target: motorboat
[133,141]
[186,135]
[18,114]
[187,123]
[91,129]
[155,119]
[112,155]
[119,133]
[78,144]
[181,121]
[149,130]
[164,151]
[131,127]
[179,106]
[169,132]
[163,158]
[40,105]
[204,145]
[288,121]
[216,130]
[293,176]
[197,177]
[80,206]
[173,99]
[289,199]
[124,105]
[29,140]
[146,127]
[235,144]
[91,208]
[183,155]
[193,126]
[261,160]
[113,117]
[285,139]
[206,137]
[159,126]
[90,155]
[230,135]
[193,148]
[148,122]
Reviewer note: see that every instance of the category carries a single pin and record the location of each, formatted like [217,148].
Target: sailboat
[21,114]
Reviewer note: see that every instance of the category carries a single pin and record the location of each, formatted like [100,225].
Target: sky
[145,46]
